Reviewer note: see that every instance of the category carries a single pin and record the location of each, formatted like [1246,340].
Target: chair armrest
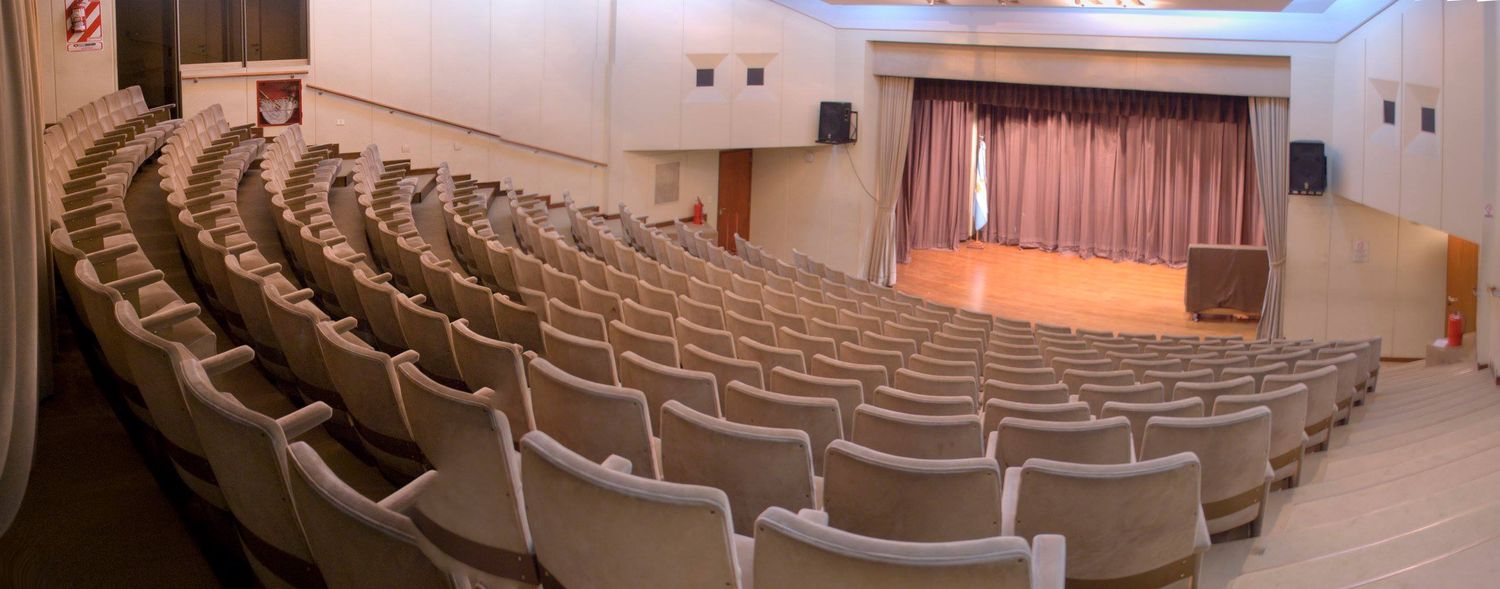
[991,445]
[1201,541]
[617,463]
[1049,561]
[1010,493]
[402,499]
[168,317]
[303,420]
[228,360]
[816,516]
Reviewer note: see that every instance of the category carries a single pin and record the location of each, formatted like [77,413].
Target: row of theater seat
[661,382]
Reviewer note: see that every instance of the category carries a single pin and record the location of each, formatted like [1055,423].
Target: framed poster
[278,102]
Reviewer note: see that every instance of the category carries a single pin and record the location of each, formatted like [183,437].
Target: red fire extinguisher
[78,16]
[698,212]
[1455,330]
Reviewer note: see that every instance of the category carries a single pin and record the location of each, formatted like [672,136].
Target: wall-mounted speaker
[837,123]
[1308,168]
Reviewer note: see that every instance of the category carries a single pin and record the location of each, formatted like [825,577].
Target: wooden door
[1463,279]
[734,196]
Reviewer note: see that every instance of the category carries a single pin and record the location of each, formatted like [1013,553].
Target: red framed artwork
[278,102]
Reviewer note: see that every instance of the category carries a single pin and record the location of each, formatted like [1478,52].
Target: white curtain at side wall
[1268,132]
[20,248]
[891,142]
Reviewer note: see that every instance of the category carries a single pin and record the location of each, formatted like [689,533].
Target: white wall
[69,80]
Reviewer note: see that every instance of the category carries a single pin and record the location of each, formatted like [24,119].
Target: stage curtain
[1268,129]
[938,168]
[893,133]
[21,262]
[1122,174]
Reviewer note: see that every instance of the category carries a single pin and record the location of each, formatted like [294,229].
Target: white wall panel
[1382,183]
[757,26]
[1461,119]
[708,26]
[401,54]
[516,66]
[340,34]
[342,121]
[1361,295]
[1420,291]
[648,74]
[1421,87]
[460,86]
[807,77]
[1346,153]
[231,94]
[465,153]
[569,81]
[402,137]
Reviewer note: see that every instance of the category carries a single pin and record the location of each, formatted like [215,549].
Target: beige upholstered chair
[1097,395]
[918,436]
[1003,360]
[746,307]
[498,366]
[803,552]
[941,386]
[656,348]
[939,367]
[818,417]
[1209,391]
[916,404]
[1258,372]
[714,340]
[592,419]
[366,380]
[632,522]
[848,393]
[429,334]
[1169,380]
[889,359]
[1031,376]
[1102,441]
[592,360]
[1141,366]
[1322,389]
[875,340]
[1218,364]
[757,467]
[870,376]
[596,300]
[807,344]
[769,357]
[647,319]
[470,445]
[662,383]
[726,369]
[1234,453]
[1155,504]
[576,322]
[880,495]
[1040,394]
[1140,414]
[355,541]
[1349,367]
[1288,408]
[744,326]
[996,410]
[1077,379]
[703,314]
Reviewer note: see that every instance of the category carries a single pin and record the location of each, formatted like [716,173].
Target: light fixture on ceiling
[1110,3]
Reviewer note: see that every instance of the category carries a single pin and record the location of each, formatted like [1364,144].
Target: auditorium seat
[1140,414]
[871,493]
[901,401]
[935,385]
[1210,391]
[756,467]
[1102,441]
[661,383]
[1233,452]
[1288,407]
[917,436]
[1038,394]
[1098,395]
[818,417]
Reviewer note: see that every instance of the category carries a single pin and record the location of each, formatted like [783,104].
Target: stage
[1060,288]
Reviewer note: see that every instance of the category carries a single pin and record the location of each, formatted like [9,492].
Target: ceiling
[1213,5]
[1316,21]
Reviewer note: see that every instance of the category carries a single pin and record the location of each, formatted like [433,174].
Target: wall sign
[85,22]
[278,102]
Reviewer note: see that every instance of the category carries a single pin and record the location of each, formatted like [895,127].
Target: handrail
[490,134]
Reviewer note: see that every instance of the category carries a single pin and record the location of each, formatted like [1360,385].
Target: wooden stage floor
[1060,288]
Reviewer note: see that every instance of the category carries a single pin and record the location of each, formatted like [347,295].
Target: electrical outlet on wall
[405,149]
[1361,251]
[339,122]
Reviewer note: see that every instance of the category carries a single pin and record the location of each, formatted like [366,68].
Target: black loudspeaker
[837,123]
[1309,168]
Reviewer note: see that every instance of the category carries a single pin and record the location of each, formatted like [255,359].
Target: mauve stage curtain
[892,133]
[1268,128]
[1121,174]
[939,165]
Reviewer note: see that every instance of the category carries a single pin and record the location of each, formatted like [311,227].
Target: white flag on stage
[981,190]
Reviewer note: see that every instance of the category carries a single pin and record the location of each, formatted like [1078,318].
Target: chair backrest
[848,393]
[996,410]
[793,552]
[871,493]
[870,376]
[498,366]
[647,319]
[1039,394]
[1348,366]
[1077,379]
[1102,441]
[1170,379]
[1096,395]
[1209,391]
[918,436]
[590,359]
[1288,408]
[817,417]
[939,367]
[875,340]
[656,348]
[1003,360]
[366,381]
[703,314]
[355,541]
[428,333]
[632,522]
[1140,414]
[1120,519]
[1031,376]
[1322,392]
[470,444]
[889,359]
[1234,452]
[928,384]
[769,357]
[807,344]
[917,404]
[592,419]
[575,321]
[757,467]
[662,383]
